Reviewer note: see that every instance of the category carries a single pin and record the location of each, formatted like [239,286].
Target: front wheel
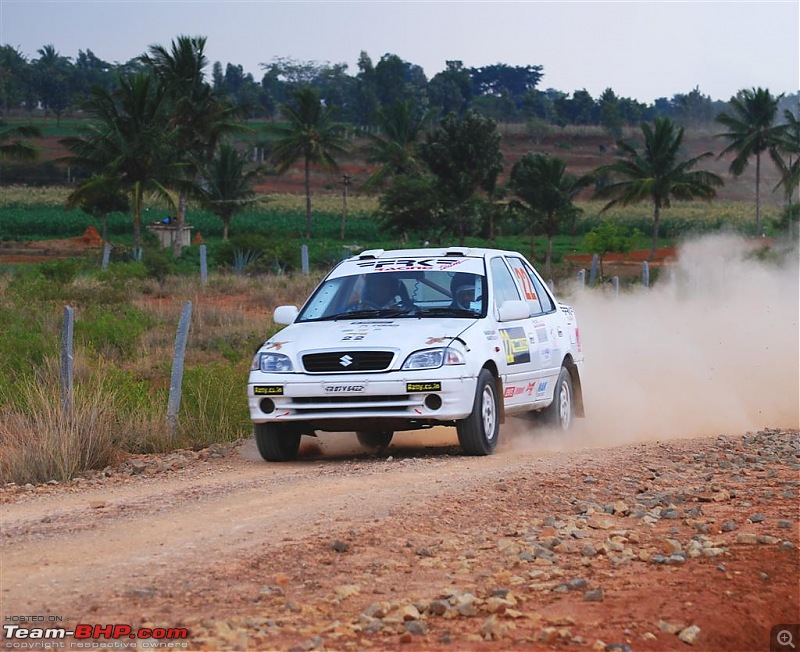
[277,442]
[478,433]
[561,412]
[374,439]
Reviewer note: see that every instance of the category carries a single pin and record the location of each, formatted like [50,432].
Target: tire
[478,433]
[374,439]
[277,442]
[560,414]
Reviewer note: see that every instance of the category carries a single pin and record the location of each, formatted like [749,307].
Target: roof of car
[455,252]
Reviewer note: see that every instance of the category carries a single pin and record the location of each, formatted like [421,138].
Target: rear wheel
[277,442]
[561,412]
[374,439]
[478,433]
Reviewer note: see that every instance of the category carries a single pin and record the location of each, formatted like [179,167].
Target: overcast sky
[640,49]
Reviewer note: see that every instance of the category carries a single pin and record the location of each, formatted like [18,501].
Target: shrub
[43,442]
[788,219]
[60,272]
[214,404]
[111,333]
[120,273]
[158,263]
[257,253]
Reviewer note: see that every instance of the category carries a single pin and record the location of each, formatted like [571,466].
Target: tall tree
[451,90]
[501,79]
[394,146]
[129,140]
[545,193]
[228,185]
[464,154]
[412,204]
[694,108]
[751,132]
[198,117]
[657,173]
[397,80]
[53,74]
[14,77]
[310,135]
[91,71]
[609,113]
[366,94]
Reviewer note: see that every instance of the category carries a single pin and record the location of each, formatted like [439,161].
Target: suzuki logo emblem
[345,361]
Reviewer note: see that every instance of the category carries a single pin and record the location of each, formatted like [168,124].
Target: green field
[39,214]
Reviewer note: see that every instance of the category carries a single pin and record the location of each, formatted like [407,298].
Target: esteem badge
[434,386]
[268,390]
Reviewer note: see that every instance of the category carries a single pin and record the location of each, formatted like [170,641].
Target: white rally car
[410,339]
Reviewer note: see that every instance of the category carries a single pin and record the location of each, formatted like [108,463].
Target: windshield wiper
[367,313]
[444,311]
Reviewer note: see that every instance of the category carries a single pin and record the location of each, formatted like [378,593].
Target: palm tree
[199,118]
[99,196]
[789,144]
[394,146]
[545,192]
[130,140]
[227,186]
[310,135]
[752,131]
[11,145]
[52,75]
[656,174]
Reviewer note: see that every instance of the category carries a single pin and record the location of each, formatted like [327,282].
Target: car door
[547,342]
[517,360]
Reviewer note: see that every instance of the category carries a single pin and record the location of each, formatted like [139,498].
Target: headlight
[272,362]
[434,358]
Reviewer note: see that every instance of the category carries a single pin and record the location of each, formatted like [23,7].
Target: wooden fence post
[66,359]
[176,379]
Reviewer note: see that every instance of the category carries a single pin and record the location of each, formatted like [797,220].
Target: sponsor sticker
[405,264]
[268,390]
[433,386]
[515,342]
[541,331]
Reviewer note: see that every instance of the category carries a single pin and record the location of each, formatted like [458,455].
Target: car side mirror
[285,314]
[513,310]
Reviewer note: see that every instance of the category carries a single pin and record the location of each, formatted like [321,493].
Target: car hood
[388,334]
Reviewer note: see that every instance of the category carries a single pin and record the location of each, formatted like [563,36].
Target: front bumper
[393,397]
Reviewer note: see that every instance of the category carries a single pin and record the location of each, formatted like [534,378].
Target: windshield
[398,294]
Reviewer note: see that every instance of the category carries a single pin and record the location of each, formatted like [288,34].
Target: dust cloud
[710,349]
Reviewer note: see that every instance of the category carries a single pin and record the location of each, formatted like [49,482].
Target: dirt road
[650,546]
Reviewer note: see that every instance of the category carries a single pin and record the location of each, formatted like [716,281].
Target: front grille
[301,400]
[347,361]
[314,405]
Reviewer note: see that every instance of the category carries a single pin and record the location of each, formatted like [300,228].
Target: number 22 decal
[527,286]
